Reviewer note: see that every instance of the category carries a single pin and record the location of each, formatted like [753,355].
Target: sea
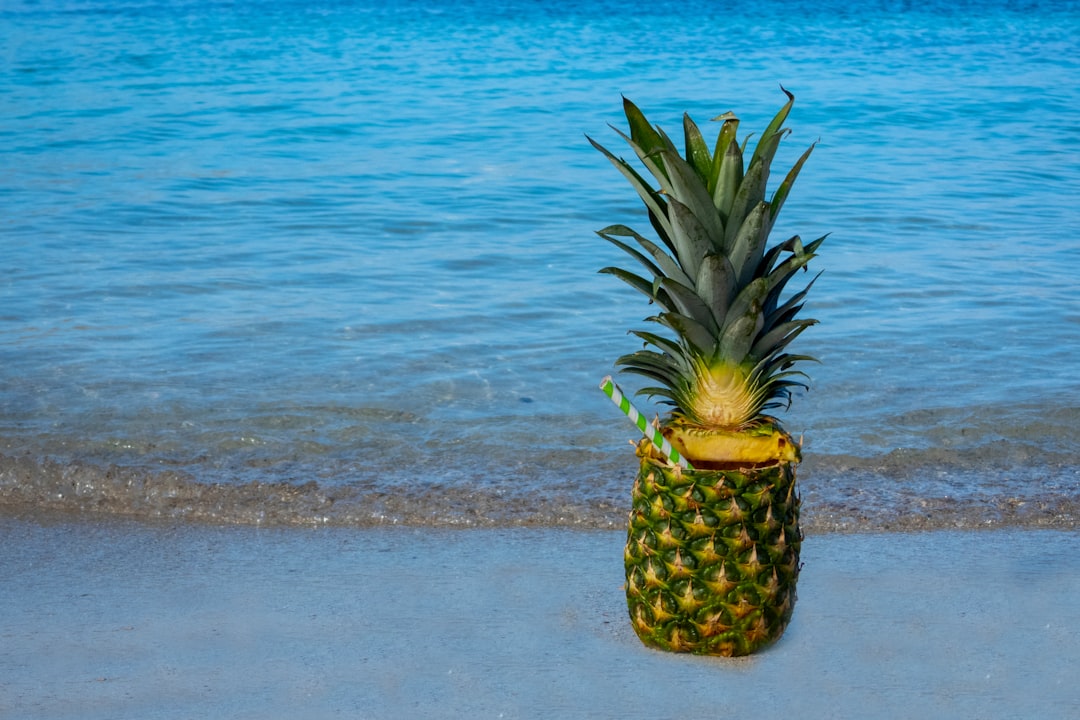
[304,263]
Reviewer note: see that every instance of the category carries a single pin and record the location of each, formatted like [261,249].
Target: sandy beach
[124,620]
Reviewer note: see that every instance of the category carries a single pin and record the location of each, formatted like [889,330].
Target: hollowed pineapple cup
[712,556]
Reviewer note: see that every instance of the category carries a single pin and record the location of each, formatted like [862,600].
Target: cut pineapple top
[715,280]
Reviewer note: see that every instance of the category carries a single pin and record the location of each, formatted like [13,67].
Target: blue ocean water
[336,262]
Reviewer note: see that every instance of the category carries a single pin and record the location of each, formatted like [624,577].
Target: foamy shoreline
[852,501]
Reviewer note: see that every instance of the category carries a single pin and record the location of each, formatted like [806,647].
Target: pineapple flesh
[712,552]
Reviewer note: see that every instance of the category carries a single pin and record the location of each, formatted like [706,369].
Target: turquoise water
[336,261]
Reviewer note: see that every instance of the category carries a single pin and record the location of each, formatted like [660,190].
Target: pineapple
[712,552]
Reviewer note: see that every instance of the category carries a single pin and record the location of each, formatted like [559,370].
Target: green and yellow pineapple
[712,552]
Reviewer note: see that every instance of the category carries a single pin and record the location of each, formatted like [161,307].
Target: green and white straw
[653,434]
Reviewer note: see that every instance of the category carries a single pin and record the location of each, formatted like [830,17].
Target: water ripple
[215,210]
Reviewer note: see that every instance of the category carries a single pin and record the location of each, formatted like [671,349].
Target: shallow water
[247,249]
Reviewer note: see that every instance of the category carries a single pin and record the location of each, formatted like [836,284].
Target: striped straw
[653,434]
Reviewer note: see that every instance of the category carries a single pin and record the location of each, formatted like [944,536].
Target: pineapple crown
[716,283]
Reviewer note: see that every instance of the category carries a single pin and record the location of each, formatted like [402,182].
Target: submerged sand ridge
[122,619]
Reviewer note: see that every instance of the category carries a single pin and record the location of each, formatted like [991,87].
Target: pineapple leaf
[751,191]
[652,392]
[749,244]
[695,336]
[655,365]
[634,253]
[690,190]
[781,193]
[727,133]
[716,285]
[788,310]
[652,160]
[738,338]
[664,261]
[668,345]
[642,132]
[803,254]
[697,152]
[778,278]
[652,199]
[748,303]
[743,322]
[642,285]
[793,244]
[690,304]
[669,145]
[690,237]
[757,170]
[781,381]
[773,128]
[752,188]
[775,318]
[776,368]
[776,339]
[782,389]
[729,178]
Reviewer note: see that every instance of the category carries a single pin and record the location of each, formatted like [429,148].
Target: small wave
[836,498]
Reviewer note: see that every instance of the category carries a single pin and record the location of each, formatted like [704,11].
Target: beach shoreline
[114,619]
[832,502]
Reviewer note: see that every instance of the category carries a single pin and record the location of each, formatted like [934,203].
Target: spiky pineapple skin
[712,556]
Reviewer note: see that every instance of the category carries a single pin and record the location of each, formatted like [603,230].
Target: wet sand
[125,620]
